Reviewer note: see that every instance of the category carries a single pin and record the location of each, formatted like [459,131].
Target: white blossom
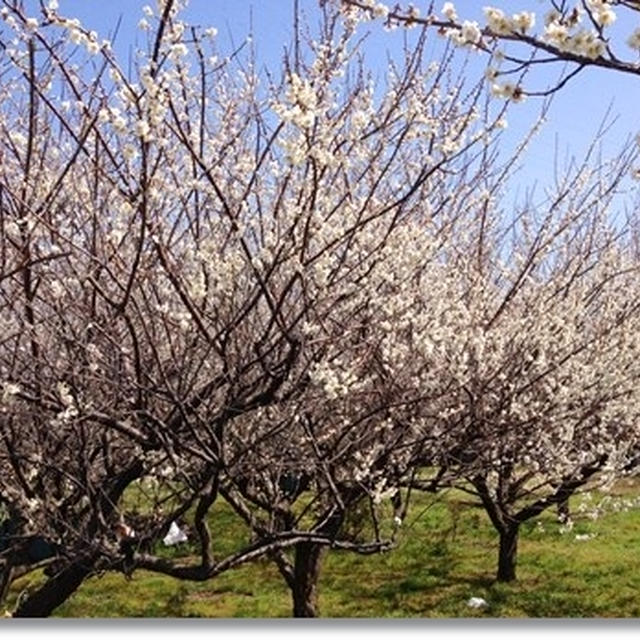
[471,32]
[634,39]
[524,21]
[449,11]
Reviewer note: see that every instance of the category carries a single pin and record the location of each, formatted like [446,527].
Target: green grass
[446,555]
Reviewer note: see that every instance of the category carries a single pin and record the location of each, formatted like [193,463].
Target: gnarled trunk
[306,574]
[508,553]
[6,576]
[42,602]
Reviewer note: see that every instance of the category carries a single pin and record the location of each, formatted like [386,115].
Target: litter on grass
[476,603]
[581,537]
[175,535]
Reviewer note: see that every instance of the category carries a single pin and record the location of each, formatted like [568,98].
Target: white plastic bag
[476,603]
[175,535]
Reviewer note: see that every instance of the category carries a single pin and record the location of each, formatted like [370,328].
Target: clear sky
[575,115]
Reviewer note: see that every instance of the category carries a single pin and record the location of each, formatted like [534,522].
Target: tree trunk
[306,573]
[508,553]
[6,576]
[42,603]
[563,510]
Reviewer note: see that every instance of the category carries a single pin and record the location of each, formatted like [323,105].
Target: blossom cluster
[582,42]
[502,24]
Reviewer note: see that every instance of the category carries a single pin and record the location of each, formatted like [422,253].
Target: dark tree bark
[563,510]
[42,602]
[508,553]
[6,576]
[507,527]
[306,574]
[307,564]
[56,590]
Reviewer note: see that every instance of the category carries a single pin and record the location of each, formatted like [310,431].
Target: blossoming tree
[288,292]
[581,34]
[346,444]
[544,375]
[181,250]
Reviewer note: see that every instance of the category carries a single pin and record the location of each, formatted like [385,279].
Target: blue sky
[575,114]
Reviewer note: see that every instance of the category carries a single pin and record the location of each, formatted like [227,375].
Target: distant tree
[505,453]
[544,377]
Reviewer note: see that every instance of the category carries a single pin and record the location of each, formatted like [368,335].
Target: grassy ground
[447,555]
